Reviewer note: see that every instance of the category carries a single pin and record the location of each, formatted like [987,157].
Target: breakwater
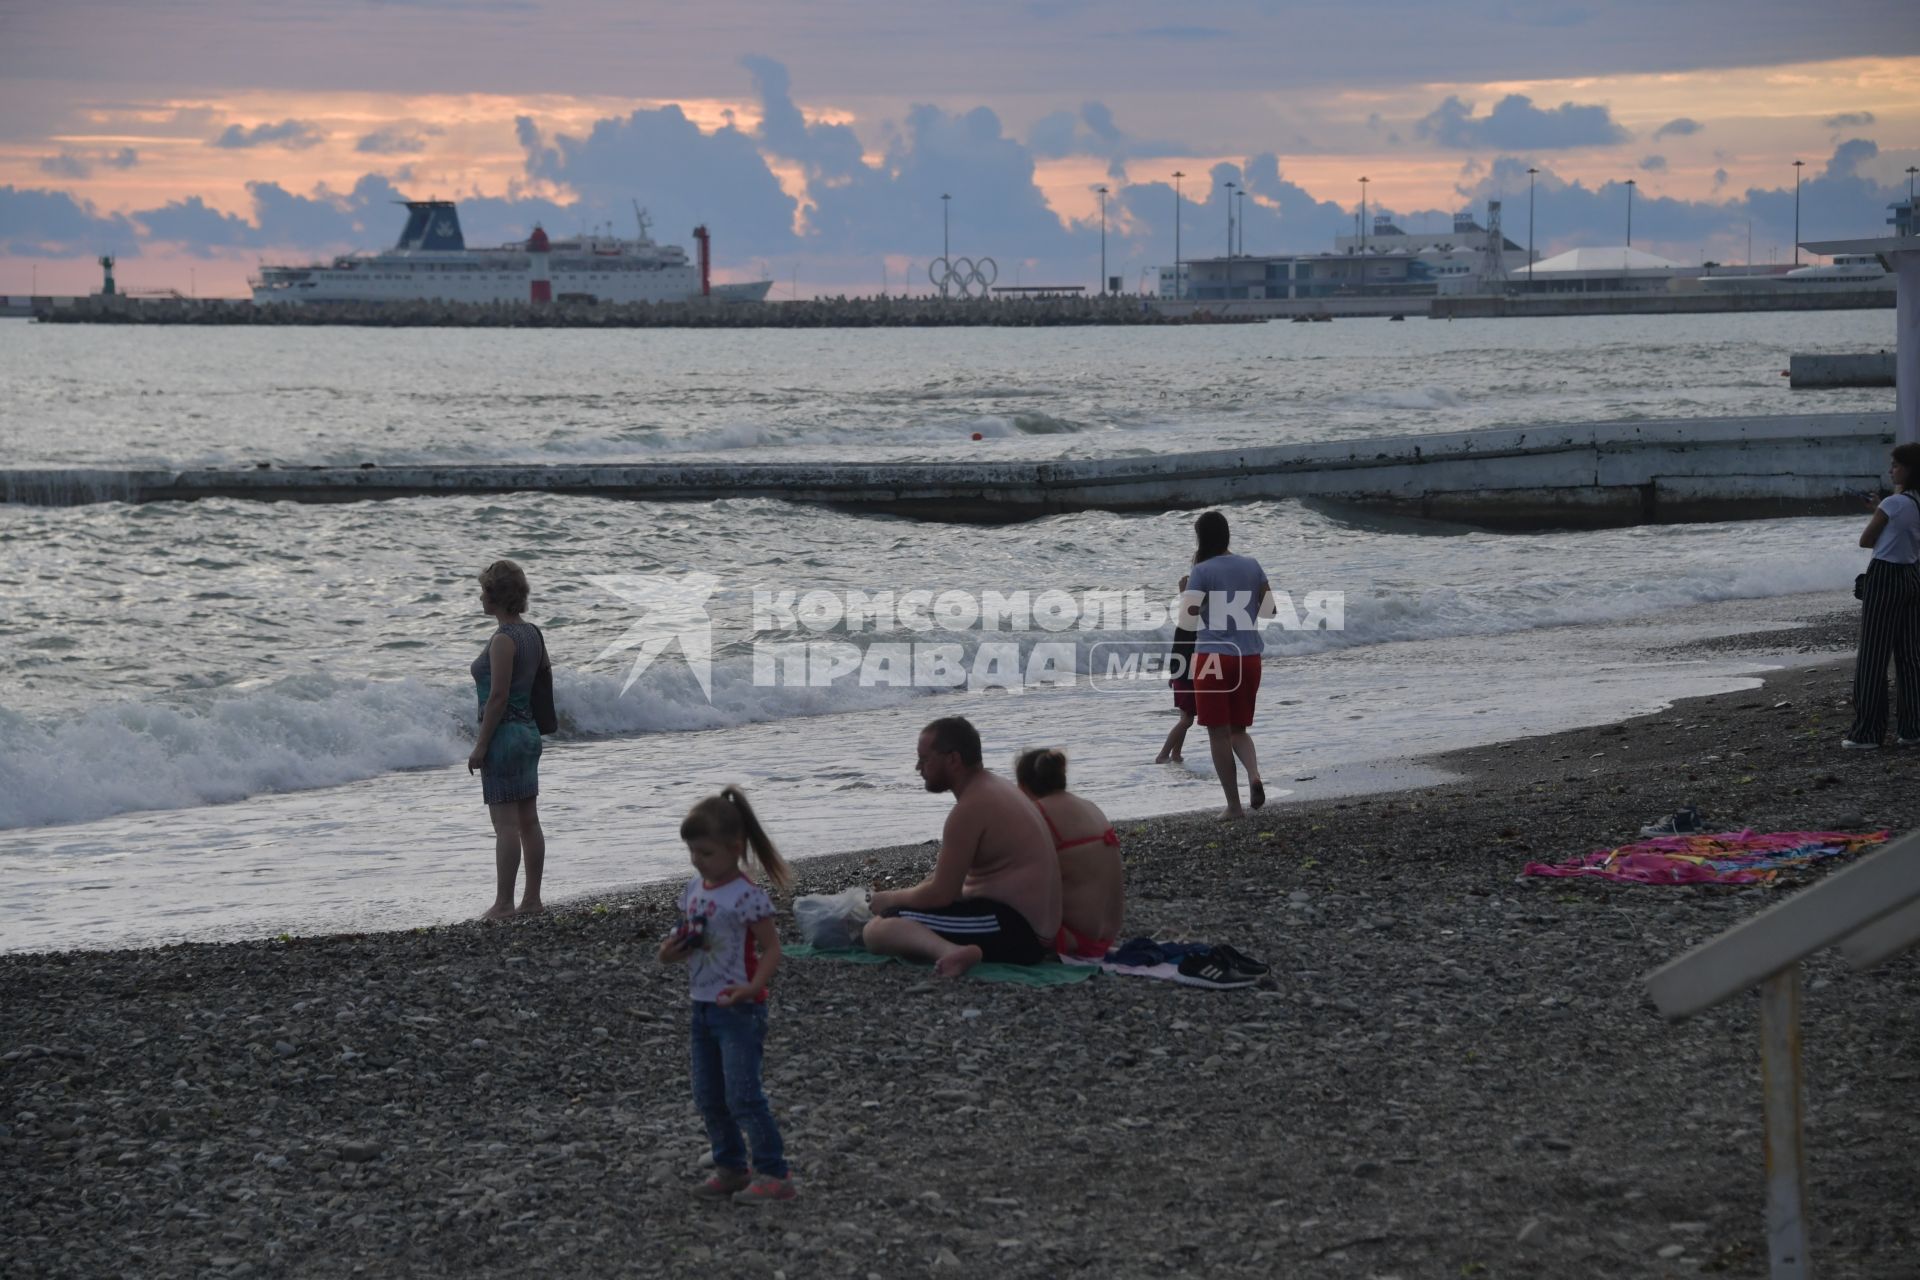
[1869,369]
[1577,475]
[1521,306]
[818,313]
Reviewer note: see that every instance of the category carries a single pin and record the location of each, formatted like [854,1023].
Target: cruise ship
[432,263]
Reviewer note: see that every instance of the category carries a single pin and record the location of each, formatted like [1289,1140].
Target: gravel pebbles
[1451,1072]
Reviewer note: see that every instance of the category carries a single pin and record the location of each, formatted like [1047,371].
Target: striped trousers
[1889,628]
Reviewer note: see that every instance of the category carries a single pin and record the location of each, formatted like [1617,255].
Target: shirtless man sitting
[1093,881]
[995,889]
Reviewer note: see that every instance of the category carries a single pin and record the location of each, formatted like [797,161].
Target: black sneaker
[1239,963]
[1681,822]
[1208,970]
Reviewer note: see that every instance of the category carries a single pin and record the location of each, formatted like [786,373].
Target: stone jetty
[1564,475]
[817,313]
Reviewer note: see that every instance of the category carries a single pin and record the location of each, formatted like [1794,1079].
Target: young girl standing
[727,940]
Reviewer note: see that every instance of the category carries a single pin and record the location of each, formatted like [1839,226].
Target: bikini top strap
[1046,818]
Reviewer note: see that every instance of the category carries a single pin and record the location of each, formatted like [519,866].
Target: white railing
[1871,911]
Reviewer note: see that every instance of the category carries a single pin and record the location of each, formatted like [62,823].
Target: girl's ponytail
[764,853]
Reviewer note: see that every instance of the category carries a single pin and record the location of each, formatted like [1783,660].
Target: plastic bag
[832,921]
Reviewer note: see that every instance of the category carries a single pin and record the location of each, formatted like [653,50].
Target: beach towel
[1733,857]
[1023,975]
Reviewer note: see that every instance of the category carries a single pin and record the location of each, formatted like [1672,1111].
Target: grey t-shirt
[1229,609]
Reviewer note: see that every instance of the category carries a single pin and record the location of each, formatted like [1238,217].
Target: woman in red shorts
[1225,595]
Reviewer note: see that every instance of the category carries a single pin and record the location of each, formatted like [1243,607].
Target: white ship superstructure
[432,263]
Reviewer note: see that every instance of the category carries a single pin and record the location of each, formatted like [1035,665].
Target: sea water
[222,718]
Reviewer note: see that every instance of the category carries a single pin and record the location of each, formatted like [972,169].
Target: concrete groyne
[1812,372]
[1522,306]
[821,313]
[1576,475]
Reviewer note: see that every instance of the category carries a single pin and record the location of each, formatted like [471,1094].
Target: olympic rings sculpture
[963,276]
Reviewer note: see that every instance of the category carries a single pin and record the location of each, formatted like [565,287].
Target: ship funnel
[540,285]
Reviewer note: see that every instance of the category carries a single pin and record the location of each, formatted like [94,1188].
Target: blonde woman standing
[506,752]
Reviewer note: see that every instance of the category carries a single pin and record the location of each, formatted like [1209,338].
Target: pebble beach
[1451,1071]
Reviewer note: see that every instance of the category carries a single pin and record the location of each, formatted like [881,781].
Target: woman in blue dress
[507,750]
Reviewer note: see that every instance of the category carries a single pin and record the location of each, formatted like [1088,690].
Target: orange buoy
[978,436]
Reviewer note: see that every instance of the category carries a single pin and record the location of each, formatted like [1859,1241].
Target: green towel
[1025,975]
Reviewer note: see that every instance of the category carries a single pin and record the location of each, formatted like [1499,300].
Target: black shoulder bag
[545,718]
[1860,579]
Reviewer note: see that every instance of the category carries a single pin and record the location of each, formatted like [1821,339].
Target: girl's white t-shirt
[725,914]
[1900,540]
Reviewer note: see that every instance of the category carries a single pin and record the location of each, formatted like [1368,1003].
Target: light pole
[1103,238]
[1530,174]
[1362,286]
[1242,198]
[1796,211]
[1178,290]
[1913,223]
[1230,190]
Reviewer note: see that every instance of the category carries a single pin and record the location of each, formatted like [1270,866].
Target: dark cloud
[70,163]
[1654,164]
[1846,158]
[67,164]
[1516,124]
[395,141]
[1849,120]
[192,224]
[294,135]
[1678,127]
[882,196]
[52,224]
[924,52]
[683,176]
[868,209]
[1839,202]
[1092,131]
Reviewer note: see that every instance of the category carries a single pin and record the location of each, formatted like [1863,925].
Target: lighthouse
[541,292]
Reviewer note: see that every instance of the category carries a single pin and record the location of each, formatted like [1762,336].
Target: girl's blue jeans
[725,1044]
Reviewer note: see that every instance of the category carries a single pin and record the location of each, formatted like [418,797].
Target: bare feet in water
[957,961]
[498,912]
[1164,758]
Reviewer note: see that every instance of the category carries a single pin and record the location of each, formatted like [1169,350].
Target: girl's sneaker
[722,1184]
[766,1190]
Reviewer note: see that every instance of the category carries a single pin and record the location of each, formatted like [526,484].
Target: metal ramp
[1871,911]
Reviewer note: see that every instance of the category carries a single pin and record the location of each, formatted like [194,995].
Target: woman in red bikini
[1092,879]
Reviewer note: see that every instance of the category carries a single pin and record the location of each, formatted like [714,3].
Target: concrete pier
[1573,476]
[1813,372]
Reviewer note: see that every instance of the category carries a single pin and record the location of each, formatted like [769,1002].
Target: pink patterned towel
[1735,857]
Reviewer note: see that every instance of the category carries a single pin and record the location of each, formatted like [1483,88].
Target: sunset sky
[196,138]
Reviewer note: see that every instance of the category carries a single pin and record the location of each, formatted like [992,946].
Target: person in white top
[1889,594]
[1225,599]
